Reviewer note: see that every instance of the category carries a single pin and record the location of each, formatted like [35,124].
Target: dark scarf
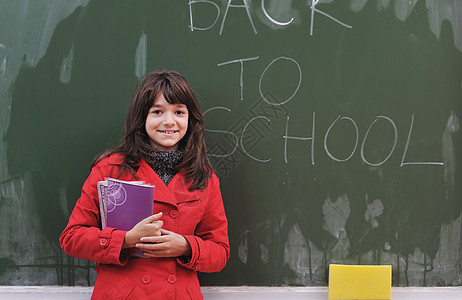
[164,163]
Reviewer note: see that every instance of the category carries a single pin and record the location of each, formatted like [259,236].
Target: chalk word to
[262,94]
[244,4]
[286,138]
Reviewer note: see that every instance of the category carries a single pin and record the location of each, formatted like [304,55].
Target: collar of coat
[176,192]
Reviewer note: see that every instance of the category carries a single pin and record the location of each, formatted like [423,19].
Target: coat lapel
[174,193]
[161,192]
[180,189]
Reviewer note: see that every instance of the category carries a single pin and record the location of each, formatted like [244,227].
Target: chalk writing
[222,131]
[242,139]
[296,89]
[191,26]
[225,160]
[407,146]
[241,78]
[286,137]
[314,9]
[367,133]
[271,19]
[244,5]
[327,134]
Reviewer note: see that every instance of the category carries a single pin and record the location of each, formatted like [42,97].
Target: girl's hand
[169,244]
[151,226]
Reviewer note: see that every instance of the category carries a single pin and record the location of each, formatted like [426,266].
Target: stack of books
[123,204]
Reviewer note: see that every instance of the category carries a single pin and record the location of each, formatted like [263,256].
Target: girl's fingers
[158,224]
[148,246]
[165,232]
[153,218]
[152,239]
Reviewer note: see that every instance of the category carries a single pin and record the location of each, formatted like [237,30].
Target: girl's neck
[164,163]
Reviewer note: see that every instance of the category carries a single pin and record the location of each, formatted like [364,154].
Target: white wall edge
[228,293]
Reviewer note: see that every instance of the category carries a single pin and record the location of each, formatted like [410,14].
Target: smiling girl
[163,145]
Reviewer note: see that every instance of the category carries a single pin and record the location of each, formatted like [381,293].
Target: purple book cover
[102,186]
[127,203]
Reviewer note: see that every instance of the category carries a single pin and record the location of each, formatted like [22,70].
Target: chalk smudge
[243,249]
[373,210]
[336,215]
[66,67]
[449,155]
[141,55]
[303,258]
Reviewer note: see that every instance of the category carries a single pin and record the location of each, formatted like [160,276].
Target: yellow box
[359,282]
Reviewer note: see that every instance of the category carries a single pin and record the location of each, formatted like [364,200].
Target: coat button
[103,242]
[146,279]
[173,214]
[172,279]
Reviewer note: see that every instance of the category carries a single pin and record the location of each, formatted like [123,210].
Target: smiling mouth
[168,131]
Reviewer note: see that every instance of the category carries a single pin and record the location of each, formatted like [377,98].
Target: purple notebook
[124,203]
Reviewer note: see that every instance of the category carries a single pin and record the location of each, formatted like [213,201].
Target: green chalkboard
[333,126]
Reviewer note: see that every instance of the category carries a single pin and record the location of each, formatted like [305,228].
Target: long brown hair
[176,90]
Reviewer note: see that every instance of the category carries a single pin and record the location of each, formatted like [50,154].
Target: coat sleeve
[209,244]
[83,238]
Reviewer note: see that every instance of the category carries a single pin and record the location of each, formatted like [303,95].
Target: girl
[163,145]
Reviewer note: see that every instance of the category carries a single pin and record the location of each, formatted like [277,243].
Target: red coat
[199,216]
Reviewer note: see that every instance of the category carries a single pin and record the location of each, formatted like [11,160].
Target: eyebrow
[178,105]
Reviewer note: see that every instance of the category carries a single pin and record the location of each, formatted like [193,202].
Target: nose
[168,119]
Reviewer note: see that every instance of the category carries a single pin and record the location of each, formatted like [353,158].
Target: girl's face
[166,124]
